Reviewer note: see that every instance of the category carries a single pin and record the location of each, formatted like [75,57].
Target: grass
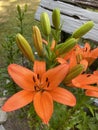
[9,21]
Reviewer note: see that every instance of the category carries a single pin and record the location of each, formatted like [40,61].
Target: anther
[46,79]
[85,49]
[35,88]
[48,84]
[88,75]
[34,79]
[38,76]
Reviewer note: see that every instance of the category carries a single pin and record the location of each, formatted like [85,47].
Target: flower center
[38,85]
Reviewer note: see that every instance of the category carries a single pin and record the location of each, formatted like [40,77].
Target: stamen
[38,76]
[46,79]
[88,75]
[48,84]
[34,79]
[85,49]
[35,88]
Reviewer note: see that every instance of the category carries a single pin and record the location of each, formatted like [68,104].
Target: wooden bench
[73,14]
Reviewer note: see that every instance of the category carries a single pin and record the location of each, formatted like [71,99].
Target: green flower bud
[74,72]
[19,9]
[65,47]
[37,40]
[45,23]
[82,30]
[56,18]
[24,47]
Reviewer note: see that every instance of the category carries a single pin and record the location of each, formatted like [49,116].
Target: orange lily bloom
[96,73]
[89,54]
[72,62]
[88,82]
[85,81]
[79,53]
[93,93]
[40,87]
[53,44]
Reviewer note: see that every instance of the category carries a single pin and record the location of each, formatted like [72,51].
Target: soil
[15,122]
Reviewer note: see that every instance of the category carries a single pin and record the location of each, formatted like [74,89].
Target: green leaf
[90,108]
[96,114]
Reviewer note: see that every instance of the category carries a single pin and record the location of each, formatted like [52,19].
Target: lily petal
[92,93]
[22,76]
[55,76]
[84,79]
[86,47]
[73,61]
[96,72]
[94,53]
[43,105]
[39,68]
[85,63]
[18,100]
[88,87]
[61,60]
[63,96]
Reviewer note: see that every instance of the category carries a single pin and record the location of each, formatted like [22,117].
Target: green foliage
[11,55]
[10,49]
[66,118]
[20,17]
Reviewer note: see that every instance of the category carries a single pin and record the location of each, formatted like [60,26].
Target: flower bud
[53,45]
[75,71]
[37,40]
[19,9]
[24,47]
[65,47]
[78,58]
[56,18]
[82,30]
[45,23]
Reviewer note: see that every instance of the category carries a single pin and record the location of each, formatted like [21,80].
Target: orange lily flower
[40,87]
[89,54]
[93,93]
[79,53]
[72,62]
[96,73]
[85,81]
[88,82]
[53,44]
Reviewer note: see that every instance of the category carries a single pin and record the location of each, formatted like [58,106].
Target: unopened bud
[65,47]
[53,45]
[82,30]
[78,58]
[45,23]
[24,47]
[75,71]
[56,18]
[37,40]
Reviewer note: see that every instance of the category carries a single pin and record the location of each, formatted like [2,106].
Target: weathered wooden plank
[71,16]
[70,10]
[83,3]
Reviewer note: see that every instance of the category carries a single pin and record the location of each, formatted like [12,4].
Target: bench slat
[71,16]
[83,3]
